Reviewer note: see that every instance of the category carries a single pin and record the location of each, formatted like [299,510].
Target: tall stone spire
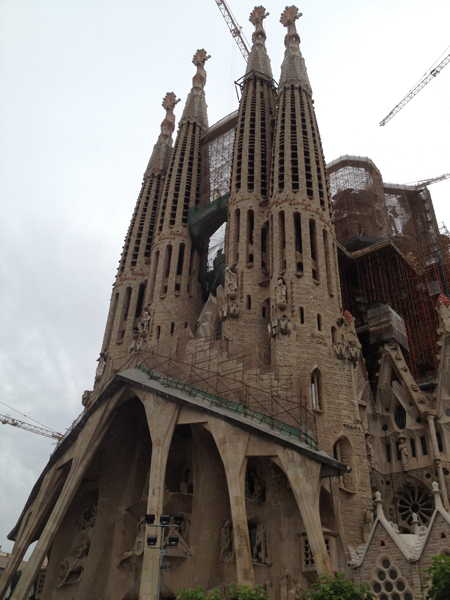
[127,307]
[258,59]
[247,247]
[293,69]
[159,160]
[195,109]
[174,297]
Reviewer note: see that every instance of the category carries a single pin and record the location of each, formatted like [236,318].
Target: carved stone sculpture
[256,18]
[403,449]
[231,283]
[199,79]
[283,581]
[144,322]
[296,592]
[138,546]
[74,563]
[224,541]
[101,366]
[259,549]
[281,294]
[367,524]
[85,397]
[288,18]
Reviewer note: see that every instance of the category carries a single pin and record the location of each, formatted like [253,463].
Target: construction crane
[234,28]
[425,182]
[431,74]
[6,420]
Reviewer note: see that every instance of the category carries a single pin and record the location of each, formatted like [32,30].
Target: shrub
[337,588]
[234,592]
[438,575]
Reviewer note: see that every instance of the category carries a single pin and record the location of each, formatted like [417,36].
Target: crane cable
[23,415]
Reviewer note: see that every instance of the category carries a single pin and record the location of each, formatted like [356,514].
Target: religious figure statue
[254,483]
[231,283]
[367,524]
[199,79]
[75,562]
[144,322]
[256,18]
[101,366]
[403,449]
[370,453]
[281,294]
[85,397]
[224,541]
[259,550]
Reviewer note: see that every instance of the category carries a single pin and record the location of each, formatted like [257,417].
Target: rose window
[416,500]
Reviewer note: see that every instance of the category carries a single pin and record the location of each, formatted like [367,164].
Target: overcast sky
[82,83]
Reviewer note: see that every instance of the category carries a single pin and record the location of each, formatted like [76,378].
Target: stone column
[431,415]
[305,479]
[162,417]
[30,523]
[232,444]
[89,440]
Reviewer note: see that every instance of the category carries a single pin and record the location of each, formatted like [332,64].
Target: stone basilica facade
[295,438]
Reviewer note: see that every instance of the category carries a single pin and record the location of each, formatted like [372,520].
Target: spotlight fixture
[166,566]
[173,540]
[178,518]
[164,519]
[151,540]
[149,519]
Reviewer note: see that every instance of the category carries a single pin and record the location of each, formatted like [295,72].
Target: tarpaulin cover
[385,325]
[204,220]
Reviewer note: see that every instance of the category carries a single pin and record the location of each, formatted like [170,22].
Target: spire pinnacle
[160,156]
[195,108]
[293,69]
[258,59]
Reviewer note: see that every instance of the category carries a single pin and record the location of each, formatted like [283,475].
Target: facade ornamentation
[260,549]
[256,18]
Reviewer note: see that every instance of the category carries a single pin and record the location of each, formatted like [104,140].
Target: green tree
[337,588]
[234,592]
[438,575]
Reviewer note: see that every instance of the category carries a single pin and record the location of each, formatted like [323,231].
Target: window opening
[140,300]
[423,443]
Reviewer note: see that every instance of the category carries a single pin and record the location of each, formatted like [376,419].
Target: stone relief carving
[404,453]
[367,524]
[269,590]
[281,294]
[230,308]
[346,344]
[140,333]
[259,554]
[101,366]
[138,546]
[296,592]
[370,453]
[182,531]
[199,59]
[73,564]
[226,543]
[85,397]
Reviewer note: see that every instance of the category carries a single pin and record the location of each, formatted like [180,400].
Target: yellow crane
[429,75]
[7,420]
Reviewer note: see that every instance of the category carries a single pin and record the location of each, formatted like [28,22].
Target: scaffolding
[401,256]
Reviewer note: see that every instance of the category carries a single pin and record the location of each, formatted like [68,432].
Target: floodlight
[164,519]
[173,540]
[149,519]
[178,518]
[152,540]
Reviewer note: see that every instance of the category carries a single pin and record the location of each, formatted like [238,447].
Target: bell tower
[130,288]
[175,295]
[246,311]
